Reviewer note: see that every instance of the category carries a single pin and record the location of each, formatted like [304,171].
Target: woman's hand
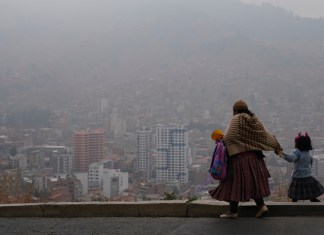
[279,151]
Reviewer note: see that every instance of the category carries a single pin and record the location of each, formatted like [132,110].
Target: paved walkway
[163,225]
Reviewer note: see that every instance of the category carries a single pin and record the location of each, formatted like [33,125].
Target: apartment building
[172,154]
[88,148]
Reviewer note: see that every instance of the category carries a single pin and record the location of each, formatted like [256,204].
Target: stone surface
[163,225]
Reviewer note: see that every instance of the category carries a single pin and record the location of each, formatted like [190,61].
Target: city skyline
[135,70]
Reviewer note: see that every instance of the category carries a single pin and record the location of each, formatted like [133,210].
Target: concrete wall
[176,208]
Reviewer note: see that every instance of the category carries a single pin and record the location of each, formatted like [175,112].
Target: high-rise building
[144,151]
[172,151]
[88,148]
[61,161]
[102,105]
[95,176]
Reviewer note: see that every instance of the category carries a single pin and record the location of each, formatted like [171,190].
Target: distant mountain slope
[57,47]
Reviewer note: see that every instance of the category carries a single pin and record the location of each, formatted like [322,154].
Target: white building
[172,153]
[102,105]
[114,182]
[144,150]
[83,177]
[95,176]
[318,166]
[117,124]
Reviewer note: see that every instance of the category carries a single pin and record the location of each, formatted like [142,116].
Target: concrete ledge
[277,209]
[206,208]
[176,208]
[163,209]
[248,209]
[20,210]
[90,209]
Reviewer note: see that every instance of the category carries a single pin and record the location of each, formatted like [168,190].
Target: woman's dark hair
[247,111]
[303,143]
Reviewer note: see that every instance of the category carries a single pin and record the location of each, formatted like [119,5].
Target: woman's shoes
[229,215]
[262,212]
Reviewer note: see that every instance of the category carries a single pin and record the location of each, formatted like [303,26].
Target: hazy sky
[305,8]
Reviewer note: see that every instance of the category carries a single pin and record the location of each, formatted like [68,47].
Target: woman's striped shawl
[246,133]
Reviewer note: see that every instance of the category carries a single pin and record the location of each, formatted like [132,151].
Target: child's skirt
[305,188]
[247,179]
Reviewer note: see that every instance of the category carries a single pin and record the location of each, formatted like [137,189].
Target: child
[303,186]
[218,163]
[217,135]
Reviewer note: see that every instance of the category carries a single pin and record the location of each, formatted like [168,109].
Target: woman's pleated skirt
[247,178]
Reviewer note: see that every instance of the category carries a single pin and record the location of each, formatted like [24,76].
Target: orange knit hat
[217,135]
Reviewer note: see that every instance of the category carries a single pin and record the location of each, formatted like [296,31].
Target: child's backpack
[218,165]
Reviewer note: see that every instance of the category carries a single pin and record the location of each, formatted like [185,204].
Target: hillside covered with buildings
[117,101]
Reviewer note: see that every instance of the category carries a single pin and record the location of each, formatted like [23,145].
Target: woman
[245,138]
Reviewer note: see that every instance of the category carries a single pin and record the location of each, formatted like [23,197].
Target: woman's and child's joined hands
[279,151]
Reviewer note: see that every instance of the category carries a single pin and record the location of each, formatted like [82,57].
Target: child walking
[303,185]
[217,135]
